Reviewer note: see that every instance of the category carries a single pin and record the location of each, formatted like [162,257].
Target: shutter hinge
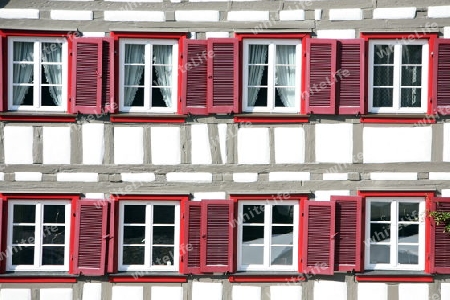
[182,258]
[432,53]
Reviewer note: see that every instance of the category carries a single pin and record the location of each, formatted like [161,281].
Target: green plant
[441,217]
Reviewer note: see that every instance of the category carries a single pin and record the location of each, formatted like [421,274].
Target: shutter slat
[3,103]
[90,238]
[108,75]
[440,240]
[441,81]
[193,216]
[112,261]
[318,249]
[223,73]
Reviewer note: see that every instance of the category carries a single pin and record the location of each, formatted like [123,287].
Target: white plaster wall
[206,291]
[289,176]
[167,292]
[289,145]
[138,177]
[245,177]
[283,292]
[127,292]
[15,294]
[28,176]
[165,145]
[56,294]
[253,146]
[223,128]
[128,145]
[195,177]
[56,145]
[396,144]
[242,292]
[94,196]
[336,33]
[92,291]
[445,193]
[93,143]
[372,291]
[335,176]
[18,144]
[445,291]
[416,291]
[326,195]
[393,176]
[334,143]
[326,290]
[446,150]
[209,196]
[200,148]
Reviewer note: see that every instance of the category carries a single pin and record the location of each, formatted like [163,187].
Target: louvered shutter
[90,238]
[3,97]
[441,81]
[112,231]
[350,76]
[440,240]
[195,77]
[320,70]
[223,75]
[217,236]
[319,232]
[108,75]
[348,240]
[192,218]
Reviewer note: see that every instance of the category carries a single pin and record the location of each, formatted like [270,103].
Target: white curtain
[162,56]
[134,54]
[53,72]
[22,73]
[257,55]
[285,75]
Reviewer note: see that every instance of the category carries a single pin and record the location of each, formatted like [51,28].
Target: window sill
[38,277]
[394,276]
[147,276]
[270,118]
[38,117]
[267,277]
[147,118]
[399,118]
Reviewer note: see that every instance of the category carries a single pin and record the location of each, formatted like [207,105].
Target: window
[268,235]
[37,71]
[148,75]
[398,76]
[38,235]
[149,235]
[395,233]
[271,75]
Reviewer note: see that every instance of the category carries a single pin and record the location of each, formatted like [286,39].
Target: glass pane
[380,254]
[133,234]
[51,74]
[380,211]
[23,51]
[411,76]
[408,212]
[408,233]
[25,93]
[380,233]
[163,235]
[258,95]
[162,54]
[137,96]
[383,76]
[162,76]
[258,54]
[134,75]
[253,214]
[282,235]
[51,52]
[163,214]
[285,54]
[284,97]
[411,97]
[23,256]
[53,255]
[253,234]
[23,234]
[134,214]
[134,54]
[23,73]
[161,97]
[252,255]
[54,214]
[384,54]
[24,213]
[163,256]
[282,214]
[285,76]
[281,255]
[411,54]
[54,234]
[382,97]
[408,255]
[133,255]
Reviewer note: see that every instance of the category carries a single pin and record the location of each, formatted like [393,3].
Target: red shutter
[90,238]
[350,77]
[440,240]
[108,75]
[348,241]
[217,236]
[319,228]
[191,259]
[320,70]
[195,77]
[87,75]
[112,257]
[441,79]
[2,95]
[223,75]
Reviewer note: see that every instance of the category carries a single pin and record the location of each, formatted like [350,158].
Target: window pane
[133,234]
[53,256]
[54,234]
[51,74]
[134,214]
[253,214]
[23,73]
[163,235]
[161,97]
[411,76]
[136,96]
[408,255]
[281,255]
[380,211]
[23,51]
[411,97]
[252,255]
[384,54]
[284,97]
[162,76]
[23,256]
[408,233]
[285,54]
[134,54]
[51,52]
[411,54]
[258,54]
[163,256]
[257,96]
[380,233]
[23,234]
[408,212]
[380,254]
[282,214]
[382,97]
[253,234]
[24,213]
[282,235]
[23,95]
[383,76]
[54,214]
[133,255]
[163,214]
